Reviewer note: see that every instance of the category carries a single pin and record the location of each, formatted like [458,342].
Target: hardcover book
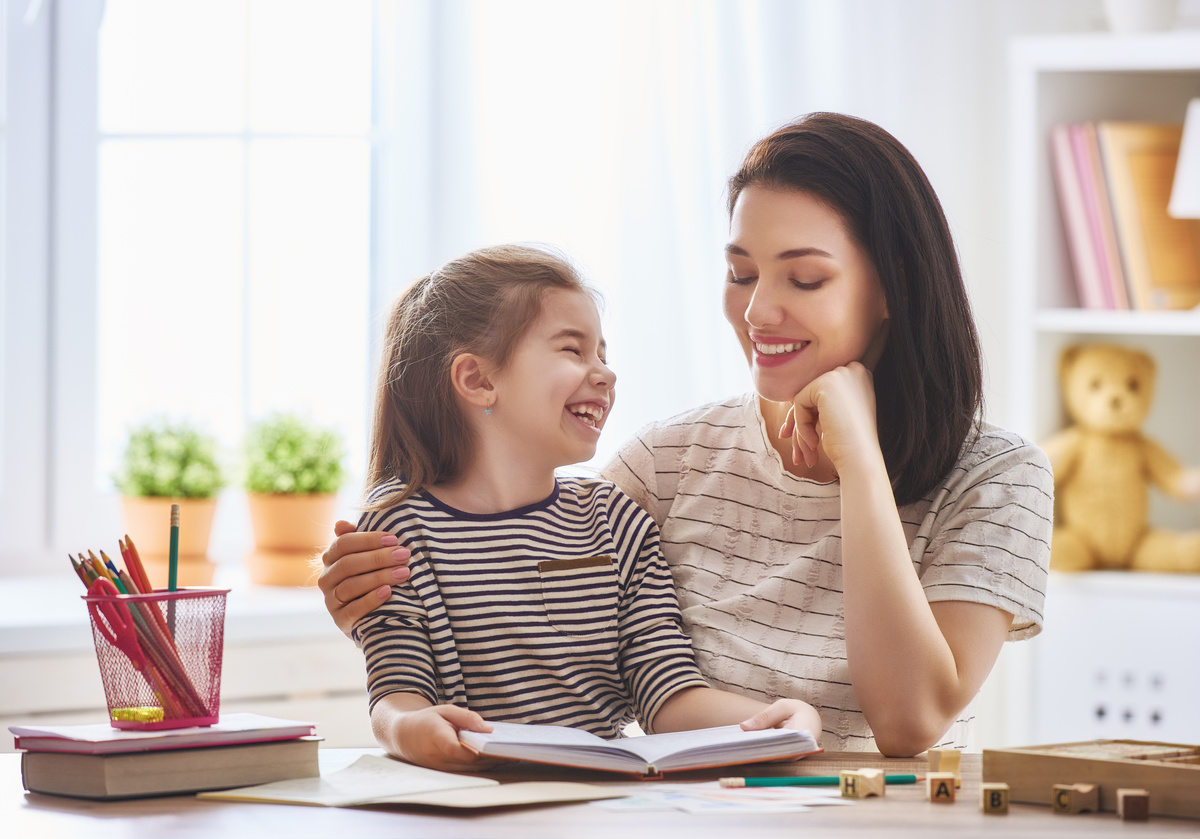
[168,771]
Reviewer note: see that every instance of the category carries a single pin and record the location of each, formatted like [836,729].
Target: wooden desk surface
[903,812]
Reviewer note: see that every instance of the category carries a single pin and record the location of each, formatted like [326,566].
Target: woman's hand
[787,713]
[359,571]
[427,735]
[835,413]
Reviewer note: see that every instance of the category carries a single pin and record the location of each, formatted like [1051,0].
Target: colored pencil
[807,781]
[173,567]
[133,562]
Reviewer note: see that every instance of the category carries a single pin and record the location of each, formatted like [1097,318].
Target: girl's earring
[487,411]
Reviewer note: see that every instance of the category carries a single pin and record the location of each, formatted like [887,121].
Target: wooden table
[903,812]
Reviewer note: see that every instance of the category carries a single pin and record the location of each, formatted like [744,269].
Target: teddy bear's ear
[1067,359]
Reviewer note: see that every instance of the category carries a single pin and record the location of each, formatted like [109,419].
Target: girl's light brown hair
[481,303]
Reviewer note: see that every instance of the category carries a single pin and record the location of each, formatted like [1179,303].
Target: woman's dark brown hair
[929,382]
[482,303]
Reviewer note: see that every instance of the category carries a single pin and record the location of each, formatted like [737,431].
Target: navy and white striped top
[562,612]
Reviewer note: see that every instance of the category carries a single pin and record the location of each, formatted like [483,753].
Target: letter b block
[993,799]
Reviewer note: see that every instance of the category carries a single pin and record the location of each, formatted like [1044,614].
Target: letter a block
[946,760]
[993,799]
[939,787]
[1133,804]
[1075,798]
[860,783]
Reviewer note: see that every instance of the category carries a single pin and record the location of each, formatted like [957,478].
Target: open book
[651,754]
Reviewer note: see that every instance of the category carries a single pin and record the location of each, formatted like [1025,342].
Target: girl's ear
[471,381]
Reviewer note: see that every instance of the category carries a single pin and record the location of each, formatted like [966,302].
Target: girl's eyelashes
[736,280]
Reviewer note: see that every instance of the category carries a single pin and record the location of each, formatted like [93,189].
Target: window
[24,225]
[214,231]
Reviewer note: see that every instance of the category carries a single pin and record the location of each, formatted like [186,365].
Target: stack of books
[1113,181]
[102,762]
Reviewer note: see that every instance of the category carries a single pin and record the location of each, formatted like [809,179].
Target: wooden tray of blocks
[1169,771]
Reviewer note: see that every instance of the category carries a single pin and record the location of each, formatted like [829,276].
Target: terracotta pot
[148,524]
[289,531]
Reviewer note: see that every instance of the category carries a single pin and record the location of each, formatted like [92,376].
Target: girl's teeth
[777,349]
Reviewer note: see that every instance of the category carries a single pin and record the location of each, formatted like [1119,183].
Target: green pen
[807,781]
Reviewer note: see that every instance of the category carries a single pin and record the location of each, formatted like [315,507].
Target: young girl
[532,598]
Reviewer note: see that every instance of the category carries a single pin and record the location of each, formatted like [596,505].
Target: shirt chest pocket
[580,594]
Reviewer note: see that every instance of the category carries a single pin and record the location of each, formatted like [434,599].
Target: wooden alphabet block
[1133,804]
[860,783]
[946,760]
[993,799]
[940,788]
[1075,798]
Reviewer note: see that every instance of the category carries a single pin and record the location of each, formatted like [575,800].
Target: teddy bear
[1104,467]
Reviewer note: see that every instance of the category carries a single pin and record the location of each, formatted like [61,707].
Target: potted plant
[169,462]
[293,470]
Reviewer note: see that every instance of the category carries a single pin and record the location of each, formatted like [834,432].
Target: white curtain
[609,130]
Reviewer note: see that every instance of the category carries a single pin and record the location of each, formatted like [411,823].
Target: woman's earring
[487,411]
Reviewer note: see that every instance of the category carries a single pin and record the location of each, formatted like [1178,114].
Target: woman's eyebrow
[793,253]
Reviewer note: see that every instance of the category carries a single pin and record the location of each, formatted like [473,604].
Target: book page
[369,780]
[713,745]
[554,744]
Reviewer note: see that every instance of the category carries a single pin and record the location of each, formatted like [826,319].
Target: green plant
[171,459]
[285,454]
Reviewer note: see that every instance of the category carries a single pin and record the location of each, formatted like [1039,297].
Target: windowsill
[47,614]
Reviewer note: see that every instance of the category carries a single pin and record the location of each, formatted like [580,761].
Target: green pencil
[807,781]
[173,567]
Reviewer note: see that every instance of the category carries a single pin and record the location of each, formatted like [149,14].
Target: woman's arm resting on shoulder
[700,707]
[359,570]
[412,729]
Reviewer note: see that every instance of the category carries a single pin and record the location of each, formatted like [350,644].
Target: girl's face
[801,296]
[554,395]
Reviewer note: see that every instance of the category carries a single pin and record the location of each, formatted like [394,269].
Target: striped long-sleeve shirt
[561,612]
[756,552]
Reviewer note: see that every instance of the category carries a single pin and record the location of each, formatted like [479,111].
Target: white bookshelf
[1118,656]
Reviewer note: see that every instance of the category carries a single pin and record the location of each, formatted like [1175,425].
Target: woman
[851,533]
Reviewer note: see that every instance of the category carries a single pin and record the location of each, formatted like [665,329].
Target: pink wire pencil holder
[159,654]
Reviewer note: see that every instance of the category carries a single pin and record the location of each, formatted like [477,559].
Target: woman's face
[801,296]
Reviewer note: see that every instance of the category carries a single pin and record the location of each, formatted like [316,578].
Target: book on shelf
[143,774]
[648,755]
[375,781]
[1160,254]
[1084,255]
[1104,236]
[102,738]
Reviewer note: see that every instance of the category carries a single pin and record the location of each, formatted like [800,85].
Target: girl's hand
[359,571]
[834,413]
[429,737]
[786,713]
